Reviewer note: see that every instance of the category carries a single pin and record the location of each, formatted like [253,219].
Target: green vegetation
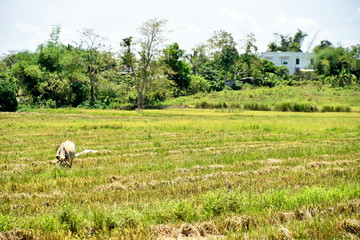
[205,166]
[180,172]
[8,91]
[310,97]
[147,71]
[285,43]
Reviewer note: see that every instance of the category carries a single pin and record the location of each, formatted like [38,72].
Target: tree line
[147,71]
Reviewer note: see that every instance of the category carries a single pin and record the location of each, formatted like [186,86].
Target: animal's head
[61,157]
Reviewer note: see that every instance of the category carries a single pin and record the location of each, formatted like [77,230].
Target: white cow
[66,153]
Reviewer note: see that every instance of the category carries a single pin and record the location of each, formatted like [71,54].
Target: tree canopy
[287,43]
[148,71]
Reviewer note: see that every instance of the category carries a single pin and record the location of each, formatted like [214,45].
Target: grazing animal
[66,153]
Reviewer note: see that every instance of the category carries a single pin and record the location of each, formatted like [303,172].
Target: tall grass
[296,107]
[329,108]
[303,98]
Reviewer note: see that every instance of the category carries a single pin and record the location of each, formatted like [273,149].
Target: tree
[223,54]
[355,60]
[286,43]
[179,69]
[197,58]
[146,70]
[298,39]
[55,73]
[49,53]
[219,39]
[250,55]
[198,84]
[331,61]
[323,44]
[8,90]
[343,64]
[93,45]
[211,73]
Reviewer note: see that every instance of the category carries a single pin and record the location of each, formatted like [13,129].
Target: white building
[294,61]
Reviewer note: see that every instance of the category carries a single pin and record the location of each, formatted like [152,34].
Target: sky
[24,24]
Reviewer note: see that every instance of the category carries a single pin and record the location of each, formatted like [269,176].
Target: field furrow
[180,174]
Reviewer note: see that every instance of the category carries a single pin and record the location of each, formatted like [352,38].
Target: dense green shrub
[296,107]
[205,104]
[198,84]
[257,106]
[329,108]
[8,92]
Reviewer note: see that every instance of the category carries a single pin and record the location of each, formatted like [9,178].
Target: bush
[328,108]
[198,84]
[8,92]
[296,107]
[205,104]
[256,106]
[48,103]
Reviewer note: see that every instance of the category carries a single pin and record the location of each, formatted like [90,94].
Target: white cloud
[354,17]
[304,22]
[28,28]
[243,19]
[193,29]
[281,19]
[287,25]
[242,16]
[27,36]
[186,28]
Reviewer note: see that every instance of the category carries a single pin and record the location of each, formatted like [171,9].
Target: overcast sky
[24,24]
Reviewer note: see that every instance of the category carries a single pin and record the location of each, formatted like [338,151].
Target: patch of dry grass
[190,174]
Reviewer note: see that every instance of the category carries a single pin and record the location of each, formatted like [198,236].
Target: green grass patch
[175,167]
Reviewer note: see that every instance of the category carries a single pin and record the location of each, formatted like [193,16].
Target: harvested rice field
[180,174]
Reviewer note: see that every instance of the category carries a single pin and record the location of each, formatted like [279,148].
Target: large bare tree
[145,68]
[92,43]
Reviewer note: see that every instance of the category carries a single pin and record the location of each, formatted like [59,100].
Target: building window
[284,61]
[297,61]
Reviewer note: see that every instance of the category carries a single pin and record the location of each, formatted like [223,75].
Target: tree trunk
[140,100]
[92,90]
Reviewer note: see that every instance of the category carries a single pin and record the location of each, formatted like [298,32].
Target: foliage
[323,44]
[312,93]
[339,66]
[8,91]
[179,69]
[223,55]
[92,60]
[267,66]
[212,75]
[198,84]
[256,106]
[296,107]
[205,104]
[147,71]
[197,58]
[286,43]
[249,58]
[55,72]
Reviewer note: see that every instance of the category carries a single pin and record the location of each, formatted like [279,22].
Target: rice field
[181,174]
